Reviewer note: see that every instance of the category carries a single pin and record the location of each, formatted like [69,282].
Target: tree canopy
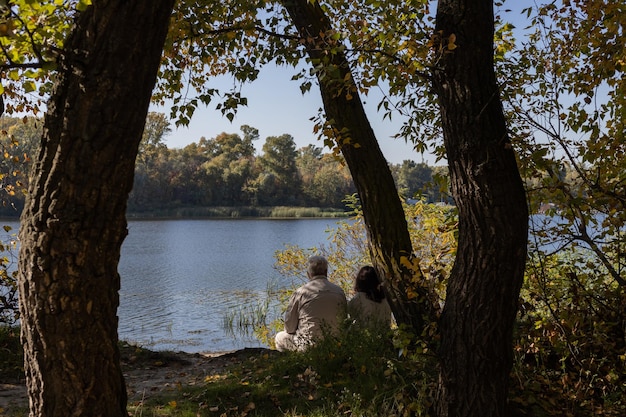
[32,35]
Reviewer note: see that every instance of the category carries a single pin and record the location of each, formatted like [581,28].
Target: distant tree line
[217,172]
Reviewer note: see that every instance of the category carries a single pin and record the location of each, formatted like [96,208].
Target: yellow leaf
[411,293]
[451,42]
[212,378]
[404,261]
[172,404]
[6,28]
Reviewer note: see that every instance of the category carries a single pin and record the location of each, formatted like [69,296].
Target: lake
[180,278]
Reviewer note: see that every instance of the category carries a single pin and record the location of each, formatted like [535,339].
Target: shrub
[570,347]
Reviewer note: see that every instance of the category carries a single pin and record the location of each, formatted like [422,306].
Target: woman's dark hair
[367,281]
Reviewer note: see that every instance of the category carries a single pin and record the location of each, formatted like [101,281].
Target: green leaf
[82,5]
[30,86]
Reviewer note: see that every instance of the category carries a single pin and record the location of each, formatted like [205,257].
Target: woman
[369,306]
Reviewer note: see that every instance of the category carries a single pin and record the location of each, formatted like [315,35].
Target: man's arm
[292,314]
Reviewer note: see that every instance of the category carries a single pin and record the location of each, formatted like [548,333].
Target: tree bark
[482,296]
[74,222]
[388,237]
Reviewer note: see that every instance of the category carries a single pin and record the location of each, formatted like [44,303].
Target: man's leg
[285,341]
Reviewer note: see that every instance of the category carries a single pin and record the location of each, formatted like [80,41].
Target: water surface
[181,277]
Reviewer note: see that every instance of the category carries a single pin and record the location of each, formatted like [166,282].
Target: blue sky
[276,106]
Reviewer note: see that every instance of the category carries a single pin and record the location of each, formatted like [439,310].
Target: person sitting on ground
[369,307]
[315,309]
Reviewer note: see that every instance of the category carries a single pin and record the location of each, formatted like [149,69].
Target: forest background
[221,176]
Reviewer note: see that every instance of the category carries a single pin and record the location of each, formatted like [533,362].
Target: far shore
[218,213]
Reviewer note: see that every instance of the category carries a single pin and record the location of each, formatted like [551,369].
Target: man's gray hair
[318,265]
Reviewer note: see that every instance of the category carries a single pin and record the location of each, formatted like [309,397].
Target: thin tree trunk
[388,237]
[482,295]
[74,222]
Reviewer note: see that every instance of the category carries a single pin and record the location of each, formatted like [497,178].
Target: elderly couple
[317,307]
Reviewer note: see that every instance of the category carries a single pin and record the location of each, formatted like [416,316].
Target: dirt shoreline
[147,374]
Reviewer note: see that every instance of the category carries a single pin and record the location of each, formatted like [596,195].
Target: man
[315,309]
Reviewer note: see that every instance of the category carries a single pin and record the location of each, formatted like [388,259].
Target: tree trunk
[482,295]
[388,237]
[74,222]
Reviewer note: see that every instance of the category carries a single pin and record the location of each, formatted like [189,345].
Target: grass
[357,375]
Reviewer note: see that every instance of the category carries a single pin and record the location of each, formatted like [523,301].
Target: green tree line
[220,171]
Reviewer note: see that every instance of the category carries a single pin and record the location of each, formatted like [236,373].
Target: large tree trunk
[481,299]
[74,221]
[388,237]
